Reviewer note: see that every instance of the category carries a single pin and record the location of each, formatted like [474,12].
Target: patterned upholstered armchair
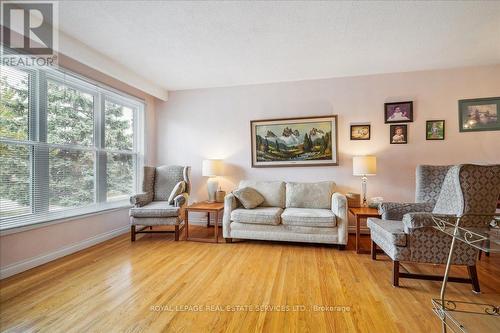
[163,200]
[429,179]
[406,232]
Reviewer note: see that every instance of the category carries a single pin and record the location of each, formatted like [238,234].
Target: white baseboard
[24,265]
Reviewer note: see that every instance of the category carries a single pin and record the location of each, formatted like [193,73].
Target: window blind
[68,146]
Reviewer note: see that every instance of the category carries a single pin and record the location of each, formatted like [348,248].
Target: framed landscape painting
[480,114]
[309,141]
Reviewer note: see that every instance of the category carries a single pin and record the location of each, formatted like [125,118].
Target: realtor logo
[28,32]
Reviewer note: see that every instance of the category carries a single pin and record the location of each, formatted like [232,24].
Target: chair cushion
[308,217]
[155,209]
[249,197]
[178,189]
[309,195]
[390,231]
[273,192]
[260,215]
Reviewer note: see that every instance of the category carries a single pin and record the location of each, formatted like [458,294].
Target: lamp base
[212,186]
[364,180]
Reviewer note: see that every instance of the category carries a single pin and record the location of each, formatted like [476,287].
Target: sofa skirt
[323,235]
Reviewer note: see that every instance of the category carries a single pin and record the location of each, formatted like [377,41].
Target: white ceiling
[185,45]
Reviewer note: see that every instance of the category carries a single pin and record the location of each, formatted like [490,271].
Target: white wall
[215,123]
[23,250]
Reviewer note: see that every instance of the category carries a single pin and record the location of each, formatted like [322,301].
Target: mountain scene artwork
[294,142]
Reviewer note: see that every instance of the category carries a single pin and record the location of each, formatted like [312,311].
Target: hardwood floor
[156,284]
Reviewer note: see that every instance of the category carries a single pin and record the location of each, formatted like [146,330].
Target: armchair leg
[395,273]
[474,279]
[176,233]
[374,250]
[228,240]
[132,233]
[341,247]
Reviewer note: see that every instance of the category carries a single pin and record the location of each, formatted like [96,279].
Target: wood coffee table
[208,207]
[362,213]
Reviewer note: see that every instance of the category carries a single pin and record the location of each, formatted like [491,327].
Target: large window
[67,146]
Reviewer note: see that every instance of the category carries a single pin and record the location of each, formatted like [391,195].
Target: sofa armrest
[140,199]
[396,210]
[339,208]
[230,203]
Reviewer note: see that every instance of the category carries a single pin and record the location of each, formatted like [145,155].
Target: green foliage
[70,121]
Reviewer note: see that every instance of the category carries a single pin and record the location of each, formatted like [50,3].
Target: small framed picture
[400,112]
[360,132]
[480,114]
[399,134]
[434,130]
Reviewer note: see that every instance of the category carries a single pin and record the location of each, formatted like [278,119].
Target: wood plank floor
[156,285]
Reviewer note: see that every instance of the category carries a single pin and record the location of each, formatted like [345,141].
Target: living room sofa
[293,212]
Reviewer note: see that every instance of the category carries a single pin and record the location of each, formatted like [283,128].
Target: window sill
[77,216]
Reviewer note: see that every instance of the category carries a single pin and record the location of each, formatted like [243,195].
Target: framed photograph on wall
[360,132]
[479,114]
[399,134]
[400,112]
[434,130]
[289,142]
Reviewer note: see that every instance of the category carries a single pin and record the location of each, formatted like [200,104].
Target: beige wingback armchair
[407,233]
[159,204]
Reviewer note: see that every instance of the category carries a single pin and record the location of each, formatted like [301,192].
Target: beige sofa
[293,212]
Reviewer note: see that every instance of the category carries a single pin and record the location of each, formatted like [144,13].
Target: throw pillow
[248,197]
[179,188]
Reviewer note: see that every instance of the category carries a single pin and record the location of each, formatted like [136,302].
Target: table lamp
[364,166]
[212,169]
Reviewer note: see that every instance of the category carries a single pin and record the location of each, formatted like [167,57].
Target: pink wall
[214,123]
[27,245]
[26,249]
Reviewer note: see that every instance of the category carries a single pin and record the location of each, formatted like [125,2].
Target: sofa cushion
[390,231]
[249,197]
[155,209]
[273,192]
[260,215]
[309,195]
[308,217]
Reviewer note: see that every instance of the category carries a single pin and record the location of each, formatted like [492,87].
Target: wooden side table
[362,213]
[207,207]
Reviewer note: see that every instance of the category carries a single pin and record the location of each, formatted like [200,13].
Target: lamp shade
[211,168]
[364,165]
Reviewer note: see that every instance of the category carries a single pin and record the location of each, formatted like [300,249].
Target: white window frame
[37,140]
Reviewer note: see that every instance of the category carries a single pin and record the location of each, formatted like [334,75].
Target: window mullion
[99,135]
[40,157]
